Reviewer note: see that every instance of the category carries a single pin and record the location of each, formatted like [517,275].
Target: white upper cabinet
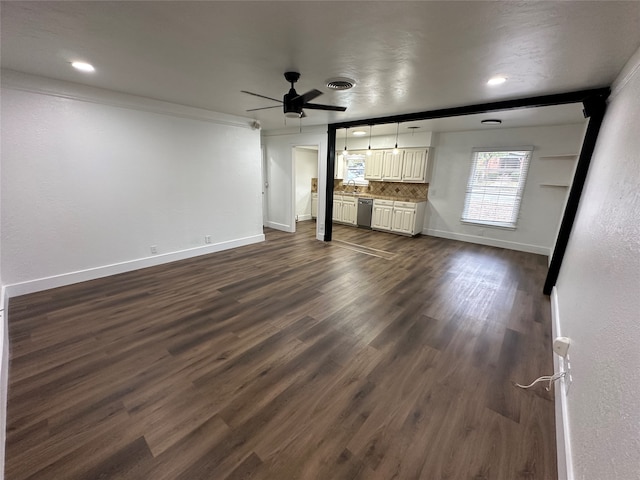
[373,165]
[339,171]
[392,166]
[415,164]
[408,165]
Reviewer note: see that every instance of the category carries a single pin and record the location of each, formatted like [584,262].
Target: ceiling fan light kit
[293,105]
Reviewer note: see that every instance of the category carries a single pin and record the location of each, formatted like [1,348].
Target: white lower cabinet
[314,205]
[345,209]
[349,210]
[399,217]
[382,214]
[337,208]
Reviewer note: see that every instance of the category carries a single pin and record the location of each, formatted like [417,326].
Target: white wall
[405,140]
[93,179]
[306,168]
[280,193]
[598,294]
[541,207]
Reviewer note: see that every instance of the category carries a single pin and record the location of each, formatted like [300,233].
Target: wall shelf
[569,156]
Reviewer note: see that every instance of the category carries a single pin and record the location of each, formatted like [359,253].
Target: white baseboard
[563,444]
[280,226]
[40,284]
[304,217]
[492,242]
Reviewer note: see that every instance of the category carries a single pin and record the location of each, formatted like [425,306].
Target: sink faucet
[355,188]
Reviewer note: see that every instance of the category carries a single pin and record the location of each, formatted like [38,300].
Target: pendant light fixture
[346,134]
[395,149]
[369,149]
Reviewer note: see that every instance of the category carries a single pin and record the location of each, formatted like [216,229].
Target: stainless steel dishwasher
[365,207]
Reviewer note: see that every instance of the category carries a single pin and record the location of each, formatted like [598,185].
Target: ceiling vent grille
[340,83]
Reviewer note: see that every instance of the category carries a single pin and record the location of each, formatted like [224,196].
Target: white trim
[281,226]
[492,242]
[48,86]
[304,217]
[4,379]
[563,435]
[116,268]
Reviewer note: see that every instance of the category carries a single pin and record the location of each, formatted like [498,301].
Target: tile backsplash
[417,191]
[400,190]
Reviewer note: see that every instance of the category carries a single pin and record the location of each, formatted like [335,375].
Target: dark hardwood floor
[373,357]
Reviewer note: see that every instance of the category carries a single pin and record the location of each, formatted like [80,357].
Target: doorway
[305,184]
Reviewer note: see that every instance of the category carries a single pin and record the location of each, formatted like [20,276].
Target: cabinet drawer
[388,203]
[405,204]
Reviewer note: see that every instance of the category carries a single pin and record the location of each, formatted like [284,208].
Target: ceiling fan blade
[307,97]
[317,106]
[262,108]
[261,96]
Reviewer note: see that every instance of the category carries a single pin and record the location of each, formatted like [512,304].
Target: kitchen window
[495,187]
[354,168]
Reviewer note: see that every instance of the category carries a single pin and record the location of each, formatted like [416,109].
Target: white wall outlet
[154,249]
[207,239]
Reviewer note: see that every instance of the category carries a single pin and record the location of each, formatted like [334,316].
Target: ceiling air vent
[341,83]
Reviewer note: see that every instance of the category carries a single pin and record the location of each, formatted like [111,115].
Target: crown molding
[25,82]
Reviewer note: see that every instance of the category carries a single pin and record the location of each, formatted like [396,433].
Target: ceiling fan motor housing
[292,108]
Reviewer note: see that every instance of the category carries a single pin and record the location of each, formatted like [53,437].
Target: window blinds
[495,187]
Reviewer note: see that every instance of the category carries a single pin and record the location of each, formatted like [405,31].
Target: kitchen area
[380,189]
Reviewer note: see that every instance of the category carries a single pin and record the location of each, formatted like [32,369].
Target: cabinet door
[339,171]
[373,165]
[349,212]
[381,218]
[415,166]
[337,210]
[404,220]
[392,166]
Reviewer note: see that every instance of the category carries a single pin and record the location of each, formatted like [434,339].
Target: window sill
[500,226]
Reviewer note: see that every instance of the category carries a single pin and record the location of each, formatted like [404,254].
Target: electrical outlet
[207,239]
[154,249]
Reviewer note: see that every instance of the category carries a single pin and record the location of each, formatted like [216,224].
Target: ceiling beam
[530,102]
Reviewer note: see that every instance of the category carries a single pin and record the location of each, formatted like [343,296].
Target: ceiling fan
[292,103]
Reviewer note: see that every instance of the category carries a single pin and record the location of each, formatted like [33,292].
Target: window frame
[517,196]
[360,183]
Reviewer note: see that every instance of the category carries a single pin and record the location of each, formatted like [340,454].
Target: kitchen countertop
[380,197]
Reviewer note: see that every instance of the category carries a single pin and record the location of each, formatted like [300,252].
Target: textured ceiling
[404,56]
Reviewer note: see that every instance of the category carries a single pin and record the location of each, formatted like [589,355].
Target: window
[495,186]
[354,168]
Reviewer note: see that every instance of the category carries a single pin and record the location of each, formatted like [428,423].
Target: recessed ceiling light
[83,66]
[359,133]
[491,121]
[497,80]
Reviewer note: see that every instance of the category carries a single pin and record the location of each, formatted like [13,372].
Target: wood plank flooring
[290,359]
